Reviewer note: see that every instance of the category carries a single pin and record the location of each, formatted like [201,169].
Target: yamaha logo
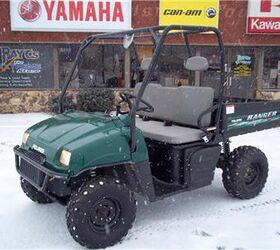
[211,12]
[29,10]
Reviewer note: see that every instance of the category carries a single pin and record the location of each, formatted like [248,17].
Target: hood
[61,130]
[93,139]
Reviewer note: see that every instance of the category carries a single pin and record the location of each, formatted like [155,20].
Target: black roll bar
[150,32]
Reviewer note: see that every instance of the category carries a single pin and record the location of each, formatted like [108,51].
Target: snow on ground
[205,218]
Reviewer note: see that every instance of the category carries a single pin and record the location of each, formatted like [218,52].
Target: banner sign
[263,16]
[70,15]
[26,66]
[189,12]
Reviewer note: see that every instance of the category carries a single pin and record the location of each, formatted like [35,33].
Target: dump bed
[246,116]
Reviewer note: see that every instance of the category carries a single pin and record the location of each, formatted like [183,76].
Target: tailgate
[247,117]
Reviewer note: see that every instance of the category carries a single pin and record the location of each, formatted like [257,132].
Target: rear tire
[245,172]
[33,194]
[101,212]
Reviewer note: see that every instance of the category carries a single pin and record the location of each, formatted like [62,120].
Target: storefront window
[100,66]
[211,77]
[271,69]
[66,55]
[171,66]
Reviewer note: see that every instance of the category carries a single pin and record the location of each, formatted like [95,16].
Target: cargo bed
[241,116]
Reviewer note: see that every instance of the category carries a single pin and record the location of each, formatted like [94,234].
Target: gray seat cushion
[182,105]
[168,134]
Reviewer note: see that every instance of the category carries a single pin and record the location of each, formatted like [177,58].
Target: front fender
[107,148]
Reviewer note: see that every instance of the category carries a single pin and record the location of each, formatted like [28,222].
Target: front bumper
[31,166]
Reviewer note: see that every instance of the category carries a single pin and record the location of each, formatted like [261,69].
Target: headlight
[65,157]
[25,137]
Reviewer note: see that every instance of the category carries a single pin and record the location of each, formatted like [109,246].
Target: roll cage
[158,34]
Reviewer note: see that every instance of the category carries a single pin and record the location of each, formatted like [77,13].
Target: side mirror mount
[196,63]
[145,64]
[127,41]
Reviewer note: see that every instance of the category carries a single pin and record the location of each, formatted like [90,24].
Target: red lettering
[118,12]
[105,11]
[91,12]
[76,11]
[56,9]
[266,5]
[60,12]
[49,8]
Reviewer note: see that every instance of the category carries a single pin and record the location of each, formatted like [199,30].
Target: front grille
[36,156]
[31,173]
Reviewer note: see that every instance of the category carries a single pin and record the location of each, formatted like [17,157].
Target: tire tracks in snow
[257,204]
[162,226]
[6,144]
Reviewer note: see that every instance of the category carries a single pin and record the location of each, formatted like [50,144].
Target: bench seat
[174,134]
[182,106]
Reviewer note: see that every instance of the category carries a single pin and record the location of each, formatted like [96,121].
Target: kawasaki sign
[263,16]
[70,15]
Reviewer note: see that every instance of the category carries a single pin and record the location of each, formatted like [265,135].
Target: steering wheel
[126,97]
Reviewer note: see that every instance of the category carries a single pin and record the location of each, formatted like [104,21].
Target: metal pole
[127,68]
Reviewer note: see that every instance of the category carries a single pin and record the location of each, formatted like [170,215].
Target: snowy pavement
[207,218]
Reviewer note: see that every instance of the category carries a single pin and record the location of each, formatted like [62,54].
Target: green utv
[170,141]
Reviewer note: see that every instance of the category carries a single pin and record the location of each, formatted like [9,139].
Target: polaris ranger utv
[170,141]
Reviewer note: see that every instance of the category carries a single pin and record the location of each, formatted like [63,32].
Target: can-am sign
[70,15]
[263,16]
[189,12]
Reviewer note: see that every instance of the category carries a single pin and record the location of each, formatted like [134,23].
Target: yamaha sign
[263,16]
[70,15]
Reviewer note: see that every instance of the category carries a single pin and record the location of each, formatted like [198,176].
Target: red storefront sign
[263,16]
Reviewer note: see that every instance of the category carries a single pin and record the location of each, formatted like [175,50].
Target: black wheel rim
[252,174]
[105,215]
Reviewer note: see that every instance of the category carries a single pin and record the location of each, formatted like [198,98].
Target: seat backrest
[182,105]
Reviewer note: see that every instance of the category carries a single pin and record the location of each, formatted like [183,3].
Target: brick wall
[36,101]
[12,101]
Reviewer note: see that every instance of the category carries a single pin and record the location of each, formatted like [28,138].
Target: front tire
[245,172]
[33,194]
[100,212]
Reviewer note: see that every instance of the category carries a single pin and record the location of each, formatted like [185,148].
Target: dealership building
[39,40]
